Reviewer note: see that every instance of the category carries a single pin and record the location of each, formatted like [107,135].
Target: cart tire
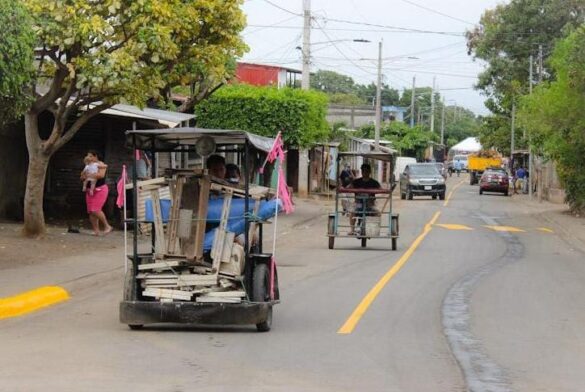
[331,231]
[135,327]
[394,243]
[364,242]
[261,293]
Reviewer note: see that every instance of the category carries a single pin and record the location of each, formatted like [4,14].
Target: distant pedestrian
[458,166]
[346,176]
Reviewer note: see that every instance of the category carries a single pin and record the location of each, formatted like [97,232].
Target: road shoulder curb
[31,301]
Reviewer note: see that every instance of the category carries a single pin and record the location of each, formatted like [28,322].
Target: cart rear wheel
[261,293]
[394,243]
[364,242]
[331,230]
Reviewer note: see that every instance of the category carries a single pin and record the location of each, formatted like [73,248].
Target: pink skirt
[96,202]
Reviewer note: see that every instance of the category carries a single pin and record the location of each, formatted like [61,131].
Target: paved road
[472,308]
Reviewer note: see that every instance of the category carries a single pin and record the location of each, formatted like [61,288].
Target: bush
[299,114]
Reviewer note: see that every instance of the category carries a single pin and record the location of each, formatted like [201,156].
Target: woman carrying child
[95,198]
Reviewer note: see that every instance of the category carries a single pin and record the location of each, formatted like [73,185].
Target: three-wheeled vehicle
[205,262]
[357,211]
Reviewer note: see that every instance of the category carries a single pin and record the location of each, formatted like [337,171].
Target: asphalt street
[480,296]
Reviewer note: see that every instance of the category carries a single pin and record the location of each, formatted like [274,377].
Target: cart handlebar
[370,191]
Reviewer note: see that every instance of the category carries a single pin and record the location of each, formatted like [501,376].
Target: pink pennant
[121,187]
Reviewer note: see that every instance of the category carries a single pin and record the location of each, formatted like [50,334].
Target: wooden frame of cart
[368,223]
[205,262]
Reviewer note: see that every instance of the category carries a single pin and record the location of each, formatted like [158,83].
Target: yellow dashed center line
[508,229]
[365,303]
[448,199]
[453,226]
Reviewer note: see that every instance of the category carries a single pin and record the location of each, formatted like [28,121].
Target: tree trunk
[38,161]
[34,217]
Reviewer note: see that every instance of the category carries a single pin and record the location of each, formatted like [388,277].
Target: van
[463,159]
[401,163]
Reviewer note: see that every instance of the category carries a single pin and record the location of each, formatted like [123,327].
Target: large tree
[506,37]
[554,116]
[16,55]
[94,54]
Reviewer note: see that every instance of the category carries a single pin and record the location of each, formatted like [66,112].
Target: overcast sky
[275,31]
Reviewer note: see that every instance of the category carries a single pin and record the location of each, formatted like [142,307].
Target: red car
[494,181]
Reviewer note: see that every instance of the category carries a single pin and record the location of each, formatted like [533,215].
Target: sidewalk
[86,269]
[557,216]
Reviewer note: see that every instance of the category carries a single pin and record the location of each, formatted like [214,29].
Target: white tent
[469,145]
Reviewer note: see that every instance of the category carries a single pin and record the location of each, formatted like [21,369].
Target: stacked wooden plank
[178,280]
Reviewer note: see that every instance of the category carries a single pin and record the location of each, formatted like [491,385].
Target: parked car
[442,169]
[422,179]
[401,163]
[494,180]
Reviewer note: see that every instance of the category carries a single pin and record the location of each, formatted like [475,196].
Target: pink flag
[121,187]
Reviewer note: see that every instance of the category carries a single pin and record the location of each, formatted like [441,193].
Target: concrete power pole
[303,179]
[412,101]
[433,114]
[443,123]
[306,75]
[378,98]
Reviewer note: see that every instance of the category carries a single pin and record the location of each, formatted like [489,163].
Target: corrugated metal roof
[165,117]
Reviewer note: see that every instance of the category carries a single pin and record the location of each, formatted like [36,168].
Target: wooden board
[168,293]
[161,265]
[207,299]
[201,219]
[173,225]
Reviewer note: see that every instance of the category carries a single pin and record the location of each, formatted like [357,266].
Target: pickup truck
[477,163]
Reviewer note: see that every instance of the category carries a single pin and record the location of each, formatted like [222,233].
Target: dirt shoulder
[569,226]
[16,250]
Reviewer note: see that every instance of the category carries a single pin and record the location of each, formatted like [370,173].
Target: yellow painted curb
[31,300]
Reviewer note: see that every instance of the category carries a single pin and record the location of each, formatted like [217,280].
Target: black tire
[480,191]
[364,242]
[505,193]
[403,196]
[261,293]
[331,231]
[442,196]
[394,243]
[434,197]
[135,327]
[409,194]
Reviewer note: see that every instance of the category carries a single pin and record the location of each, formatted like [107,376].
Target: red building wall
[257,75]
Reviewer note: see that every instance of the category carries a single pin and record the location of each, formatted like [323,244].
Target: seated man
[365,203]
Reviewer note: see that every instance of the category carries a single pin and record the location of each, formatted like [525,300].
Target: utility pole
[530,176]
[379,98]
[433,114]
[306,75]
[512,141]
[412,101]
[443,124]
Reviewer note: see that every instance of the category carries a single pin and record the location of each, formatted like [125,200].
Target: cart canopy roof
[379,155]
[170,139]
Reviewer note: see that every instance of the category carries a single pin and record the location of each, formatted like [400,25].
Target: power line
[436,12]
[407,29]
[282,8]
[260,28]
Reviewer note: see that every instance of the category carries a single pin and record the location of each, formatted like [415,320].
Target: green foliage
[339,134]
[116,50]
[345,99]
[408,141]
[299,114]
[460,123]
[367,93]
[343,90]
[331,82]
[16,57]
[506,37]
[555,117]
